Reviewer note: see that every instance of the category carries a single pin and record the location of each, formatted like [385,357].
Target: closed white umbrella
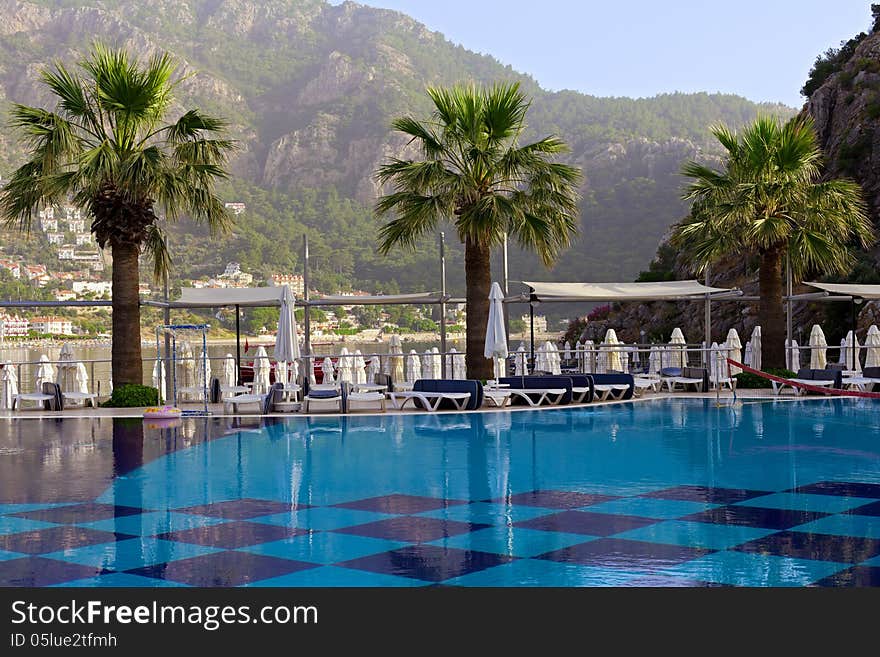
[566,350]
[519,363]
[459,367]
[428,365]
[437,361]
[359,367]
[613,358]
[747,355]
[495,346]
[793,356]
[589,356]
[555,359]
[841,357]
[734,350]
[8,385]
[184,364]
[850,361]
[81,378]
[286,339]
[203,369]
[159,378]
[756,348]
[540,359]
[655,359]
[229,379]
[676,349]
[345,368]
[395,360]
[374,367]
[327,370]
[818,346]
[872,342]
[45,373]
[413,366]
[65,370]
[717,371]
[262,369]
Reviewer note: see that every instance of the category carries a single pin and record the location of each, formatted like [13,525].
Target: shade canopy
[849,289]
[668,290]
[213,297]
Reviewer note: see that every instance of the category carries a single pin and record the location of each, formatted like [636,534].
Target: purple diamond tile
[400,504]
[413,529]
[707,494]
[823,547]
[667,581]
[872,509]
[232,535]
[76,513]
[623,553]
[53,539]
[241,509]
[37,571]
[753,516]
[842,488]
[427,562]
[555,499]
[222,569]
[584,522]
[855,576]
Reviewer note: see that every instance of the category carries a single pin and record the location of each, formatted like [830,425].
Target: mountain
[843,98]
[310,90]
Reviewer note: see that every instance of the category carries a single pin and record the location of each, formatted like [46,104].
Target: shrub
[749,381]
[132,395]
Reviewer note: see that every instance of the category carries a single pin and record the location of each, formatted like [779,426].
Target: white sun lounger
[779,387]
[430,400]
[87,398]
[550,396]
[38,397]
[604,391]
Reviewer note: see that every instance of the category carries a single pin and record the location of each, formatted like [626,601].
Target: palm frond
[157,247]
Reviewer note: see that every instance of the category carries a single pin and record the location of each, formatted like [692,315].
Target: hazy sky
[760,49]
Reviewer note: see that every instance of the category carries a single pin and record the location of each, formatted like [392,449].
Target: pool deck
[218,410]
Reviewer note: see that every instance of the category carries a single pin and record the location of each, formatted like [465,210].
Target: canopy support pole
[532,331]
[504,281]
[238,345]
[789,349]
[442,306]
[167,393]
[708,324]
[307,318]
[855,353]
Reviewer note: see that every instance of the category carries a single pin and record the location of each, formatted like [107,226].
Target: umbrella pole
[442,306]
[789,350]
[852,304]
[237,346]
[532,333]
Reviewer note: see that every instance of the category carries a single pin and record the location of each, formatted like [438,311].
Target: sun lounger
[430,401]
[698,377]
[475,388]
[613,386]
[582,390]
[539,390]
[87,398]
[365,401]
[49,398]
[324,397]
[827,378]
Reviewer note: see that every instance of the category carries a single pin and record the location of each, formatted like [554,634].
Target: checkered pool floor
[825,533]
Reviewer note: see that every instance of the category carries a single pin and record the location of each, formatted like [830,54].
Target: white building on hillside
[52,325]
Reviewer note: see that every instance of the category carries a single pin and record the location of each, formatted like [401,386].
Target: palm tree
[474,173]
[107,148]
[769,200]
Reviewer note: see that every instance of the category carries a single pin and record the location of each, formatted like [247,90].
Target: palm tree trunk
[770,311]
[478,279]
[126,350]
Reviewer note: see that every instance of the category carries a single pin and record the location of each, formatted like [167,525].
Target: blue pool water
[656,493]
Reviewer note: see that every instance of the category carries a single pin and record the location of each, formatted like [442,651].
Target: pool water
[654,493]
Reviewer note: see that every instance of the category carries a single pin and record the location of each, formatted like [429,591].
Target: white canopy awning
[214,297]
[849,289]
[376,300]
[655,291]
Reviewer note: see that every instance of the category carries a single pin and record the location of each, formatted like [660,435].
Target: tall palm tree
[107,147]
[474,173]
[770,200]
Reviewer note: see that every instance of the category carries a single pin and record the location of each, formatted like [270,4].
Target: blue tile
[133,553]
[4,555]
[18,508]
[334,576]
[533,572]
[488,513]
[696,534]
[10,525]
[152,523]
[324,547]
[323,518]
[806,502]
[512,541]
[746,569]
[120,580]
[872,562]
[649,507]
[844,525]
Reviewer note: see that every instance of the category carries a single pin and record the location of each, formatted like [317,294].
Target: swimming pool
[655,493]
